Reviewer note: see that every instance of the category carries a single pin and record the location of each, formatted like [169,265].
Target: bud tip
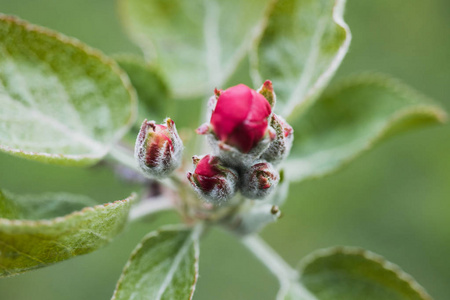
[268,85]
[217,92]
[274,210]
[203,129]
[195,160]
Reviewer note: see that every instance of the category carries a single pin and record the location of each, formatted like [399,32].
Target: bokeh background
[394,200]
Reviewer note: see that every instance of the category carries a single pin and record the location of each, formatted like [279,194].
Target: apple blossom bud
[259,180]
[238,130]
[158,148]
[213,181]
[280,147]
[267,91]
[241,117]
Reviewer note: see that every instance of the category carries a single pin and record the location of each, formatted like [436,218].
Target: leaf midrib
[56,124]
[173,267]
[302,84]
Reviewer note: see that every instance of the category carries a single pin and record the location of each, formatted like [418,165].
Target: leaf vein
[22,253]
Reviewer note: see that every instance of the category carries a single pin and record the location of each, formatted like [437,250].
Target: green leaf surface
[300,50]
[39,207]
[163,266]
[36,231]
[294,290]
[196,44]
[153,94]
[355,274]
[351,119]
[61,101]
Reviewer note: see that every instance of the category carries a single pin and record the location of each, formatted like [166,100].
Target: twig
[286,275]
[149,206]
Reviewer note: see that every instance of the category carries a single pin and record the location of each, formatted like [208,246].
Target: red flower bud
[259,180]
[280,147]
[212,180]
[240,117]
[158,148]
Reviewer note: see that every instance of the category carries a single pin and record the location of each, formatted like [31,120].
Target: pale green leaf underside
[196,44]
[60,101]
[351,119]
[36,231]
[300,50]
[163,266]
[346,273]
[154,101]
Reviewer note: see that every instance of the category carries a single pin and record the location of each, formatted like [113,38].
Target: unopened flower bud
[240,117]
[213,181]
[259,180]
[238,130]
[280,147]
[158,148]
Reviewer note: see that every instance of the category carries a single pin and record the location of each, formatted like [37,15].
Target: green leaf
[351,119]
[39,207]
[295,291]
[354,274]
[36,231]
[300,50]
[163,266]
[61,101]
[196,44]
[154,101]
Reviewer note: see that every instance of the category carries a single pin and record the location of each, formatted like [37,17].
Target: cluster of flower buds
[158,149]
[247,140]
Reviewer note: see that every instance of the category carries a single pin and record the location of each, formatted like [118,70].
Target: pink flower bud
[259,180]
[280,147]
[213,181]
[240,117]
[158,148]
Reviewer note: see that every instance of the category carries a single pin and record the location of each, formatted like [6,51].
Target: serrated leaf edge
[325,77]
[430,109]
[153,234]
[97,54]
[382,80]
[50,222]
[369,255]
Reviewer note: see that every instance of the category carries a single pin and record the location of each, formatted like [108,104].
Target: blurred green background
[393,200]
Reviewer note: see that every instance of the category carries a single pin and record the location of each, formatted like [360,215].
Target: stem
[270,258]
[149,206]
[123,156]
[286,275]
[198,230]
